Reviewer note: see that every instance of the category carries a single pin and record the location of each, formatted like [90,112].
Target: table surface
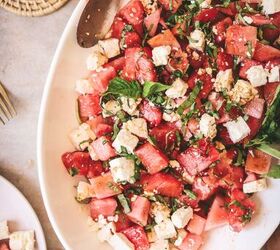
[27,46]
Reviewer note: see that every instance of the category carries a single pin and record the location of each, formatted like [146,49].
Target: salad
[178,116]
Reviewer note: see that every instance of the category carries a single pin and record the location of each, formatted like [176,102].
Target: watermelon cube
[106,207]
[191,242]
[151,157]
[139,210]
[103,149]
[196,225]
[138,237]
[258,162]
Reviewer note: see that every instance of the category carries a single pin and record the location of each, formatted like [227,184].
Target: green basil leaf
[124,203]
[121,87]
[269,150]
[151,88]
[191,98]
[274,172]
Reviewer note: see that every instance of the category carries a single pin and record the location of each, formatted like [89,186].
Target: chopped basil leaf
[274,172]
[121,87]
[116,129]
[191,194]
[151,88]
[73,171]
[124,203]
[250,49]
[269,150]
[191,98]
[84,201]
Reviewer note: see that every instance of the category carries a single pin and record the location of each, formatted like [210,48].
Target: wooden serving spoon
[96,20]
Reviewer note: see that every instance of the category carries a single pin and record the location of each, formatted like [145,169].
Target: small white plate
[19,213]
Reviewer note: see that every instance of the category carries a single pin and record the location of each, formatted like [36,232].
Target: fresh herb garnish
[192,195]
[250,49]
[121,87]
[151,88]
[124,203]
[191,98]
[73,171]
[274,172]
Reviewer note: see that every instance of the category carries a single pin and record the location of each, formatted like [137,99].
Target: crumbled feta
[170,117]
[125,139]
[188,178]
[206,4]
[165,229]
[207,126]
[160,245]
[242,92]
[224,80]
[237,129]
[129,105]
[93,225]
[122,169]
[82,136]
[255,186]
[96,59]
[4,230]
[270,6]
[106,232]
[101,220]
[274,74]
[248,19]
[182,233]
[174,164]
[257,75]
[150,6]
[159,211]
[137,126]
[110,47]
[181,217]
[119,241]
[84,86]
[110,108]
[177,89]
[22,240]
[84,191]
[161,55]
[197,40]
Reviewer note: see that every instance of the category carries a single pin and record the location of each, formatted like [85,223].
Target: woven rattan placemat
[32,7]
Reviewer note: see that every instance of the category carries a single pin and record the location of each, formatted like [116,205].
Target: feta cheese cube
[22,240]
[237,129]
[177,89]
[125,139]
[182,233]
[274,74]
[122,169]
[224,80]
[119,241]
[242,92]
[4,230]
[160,212]
[206,4]
[270,6]
[255,186]
[84,86]
[197,40]
[137,126]
[84,191]
[160,245]
[257,75]
[82,136]
[110,108]
[96,59]
[165,229]
[110,47]
[106,232]
[248,19]
[129,105]
[161,55]
[181,217]
[207,126]
[170,117]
